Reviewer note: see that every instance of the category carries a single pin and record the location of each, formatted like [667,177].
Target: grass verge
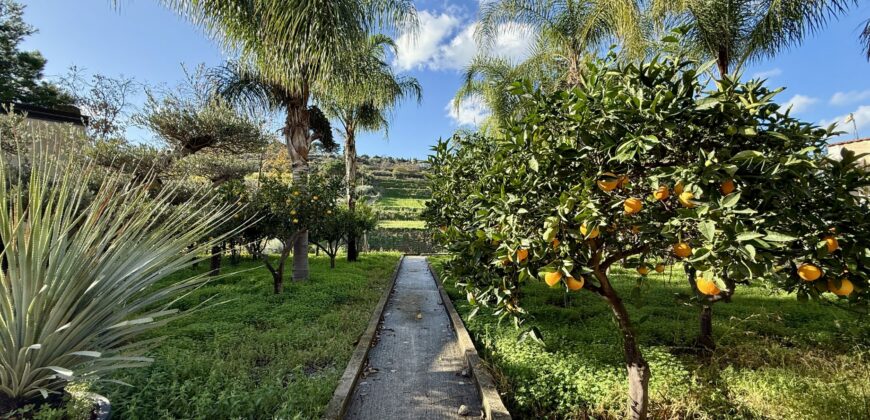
[777,358]
[402,224]
[257,355]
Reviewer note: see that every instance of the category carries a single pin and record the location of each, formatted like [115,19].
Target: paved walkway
[415,368]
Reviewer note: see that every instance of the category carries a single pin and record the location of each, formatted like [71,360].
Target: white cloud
[445,43]
[850,97]
[416,50]
[799,103]
[471,111]
[862,121]
[767,74]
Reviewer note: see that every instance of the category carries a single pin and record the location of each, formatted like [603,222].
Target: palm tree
[490,79]
[572,29]
[360,99]
[245,85]
[296,45]
[734,32]
[865,38]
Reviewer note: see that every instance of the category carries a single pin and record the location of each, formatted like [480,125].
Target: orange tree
[285,208]
[642,165]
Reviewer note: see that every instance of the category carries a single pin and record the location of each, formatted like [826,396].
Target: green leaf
[730,200]
[747,155]
[748,236]
[708,229]
[778,237]
[533,163]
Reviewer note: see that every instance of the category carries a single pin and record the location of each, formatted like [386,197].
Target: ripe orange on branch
[522,254]
[632,205]
[662,193]
[845,289]
[682,250]
[553,278]
[707,287]
[727,187]
[809,272]
[587,233]
[609,181]
[575,284]
[832,244]
[660,268]
[643,270]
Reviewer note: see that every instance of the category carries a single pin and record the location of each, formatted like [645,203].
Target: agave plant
[81,263]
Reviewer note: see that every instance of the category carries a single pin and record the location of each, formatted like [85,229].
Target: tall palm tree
[297,44]
[361,99]
[734,32]
[572,29]
[245,85]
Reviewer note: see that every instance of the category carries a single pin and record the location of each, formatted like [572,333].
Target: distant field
[402,224]
[411,203]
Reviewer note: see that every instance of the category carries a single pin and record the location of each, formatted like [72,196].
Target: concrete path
[415,369]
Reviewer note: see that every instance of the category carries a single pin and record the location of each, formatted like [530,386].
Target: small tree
[637,167]
[287,207]
[338,225]
[104,99]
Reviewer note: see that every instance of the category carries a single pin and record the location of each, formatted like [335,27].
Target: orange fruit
[832,243]
[608,182]
[682,250]
[632,205]
[678,189]
[522,254]
[660,268]
[707,287]
[845,289]
[575,284]
[662,193]
[553,278]
[589,234]
[686,199]
[643,270]
[556,243]
[727,187]
[809,272]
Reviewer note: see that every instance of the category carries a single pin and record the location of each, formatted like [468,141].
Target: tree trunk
[637,368]
[705,334]
[298,136]
[331,260]
[216,256]
[350,185]
[722,60]
[705,338]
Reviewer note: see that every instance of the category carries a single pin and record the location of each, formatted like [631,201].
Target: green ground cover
[404,202]
[777,358]
[402,224]
[256,355]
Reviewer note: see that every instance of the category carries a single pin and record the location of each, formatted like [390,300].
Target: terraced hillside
[399,190]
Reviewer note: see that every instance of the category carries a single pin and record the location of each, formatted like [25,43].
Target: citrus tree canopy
[640,165]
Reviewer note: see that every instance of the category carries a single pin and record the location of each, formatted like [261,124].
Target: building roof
[70,115]
[841,143]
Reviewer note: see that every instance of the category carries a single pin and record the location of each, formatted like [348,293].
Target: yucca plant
[83,251]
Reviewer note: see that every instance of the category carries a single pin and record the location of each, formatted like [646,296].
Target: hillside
[398,190]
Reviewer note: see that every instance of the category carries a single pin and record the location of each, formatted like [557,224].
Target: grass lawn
[411,203]
[777,358]
[258,355]
[402,224]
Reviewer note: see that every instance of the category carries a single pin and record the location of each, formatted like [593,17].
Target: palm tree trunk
[350,181]
[722,60]
[298,137]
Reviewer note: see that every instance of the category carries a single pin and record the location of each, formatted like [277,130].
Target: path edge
[344,391]
[493,406]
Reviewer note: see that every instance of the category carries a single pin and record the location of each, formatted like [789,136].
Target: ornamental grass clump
[83,251]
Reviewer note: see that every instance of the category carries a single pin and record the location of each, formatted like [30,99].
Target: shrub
[80,267]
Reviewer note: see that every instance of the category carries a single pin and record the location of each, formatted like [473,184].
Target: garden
[636,229]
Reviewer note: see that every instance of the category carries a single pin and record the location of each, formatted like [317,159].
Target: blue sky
[826,78]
